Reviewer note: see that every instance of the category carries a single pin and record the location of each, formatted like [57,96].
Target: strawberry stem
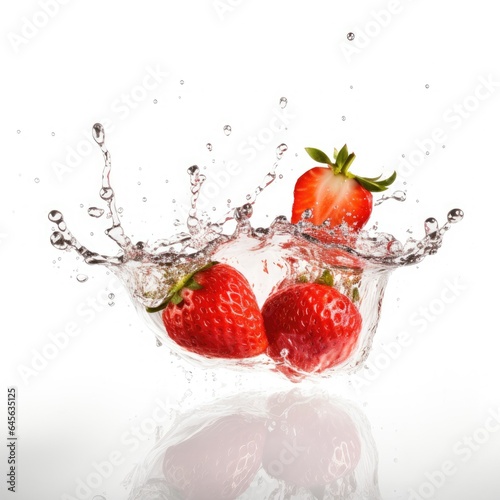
[174,294]
[341,165]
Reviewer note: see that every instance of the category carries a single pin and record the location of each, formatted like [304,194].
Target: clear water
[269,257]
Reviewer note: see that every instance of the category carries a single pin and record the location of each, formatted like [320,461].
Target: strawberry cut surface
[333,194]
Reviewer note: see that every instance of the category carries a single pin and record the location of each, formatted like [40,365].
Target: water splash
[272,257]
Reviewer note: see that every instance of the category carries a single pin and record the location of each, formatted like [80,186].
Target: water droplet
[58,241]
[55,216]
[155,101]
[111,296]
[95,212]
[443,146]
[120,210]
[399,195]
[284,353]
[455,215]
[307,214]
[111,304]
[402,156]
[53,134]
[98,133]
[244,212]
[193,170]
[106,193]
[182,82]
[18,131]
[343,118]
[189,376]
[431,226]
[351,87]
[209,146]
[280,150]
[280,176]
[426,85]
[82,278]
[144,199]
[283,102]
[351,36]
[37,180]
[227,129]
[427,153]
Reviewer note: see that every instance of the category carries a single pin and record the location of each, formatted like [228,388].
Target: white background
[236,60]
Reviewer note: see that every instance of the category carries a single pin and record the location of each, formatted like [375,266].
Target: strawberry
[335,195]
[213,312]
[310,327]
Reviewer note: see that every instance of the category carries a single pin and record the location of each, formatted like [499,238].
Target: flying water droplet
[244,212]
[343,118]
[351,36]
[111,296]
[58,241]
[426,85]
[37,180]
[53,134]
[399,195]
[209,146]
[106,193]
[193,170]
[182,82]
[98,134]
[82,278]
[431,227]
[95,212]
[18,131]
[283,102]
[455,215]
[144,199]
[280,150]
[55,216]
[227,129]
[155,101]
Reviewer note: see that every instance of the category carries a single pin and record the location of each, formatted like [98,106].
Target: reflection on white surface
[293,445]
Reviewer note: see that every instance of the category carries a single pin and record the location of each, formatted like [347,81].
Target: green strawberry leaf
[376,186]
[318,155]
[342,156]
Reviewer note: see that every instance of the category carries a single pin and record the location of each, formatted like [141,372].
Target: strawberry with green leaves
[334,194]
[311,327]
[213,312]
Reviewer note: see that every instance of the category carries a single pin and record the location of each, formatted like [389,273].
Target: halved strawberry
[335,195]
[213,312]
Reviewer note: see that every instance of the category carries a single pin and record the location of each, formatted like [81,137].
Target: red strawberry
[311,327]
[334,194]
[214,312]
